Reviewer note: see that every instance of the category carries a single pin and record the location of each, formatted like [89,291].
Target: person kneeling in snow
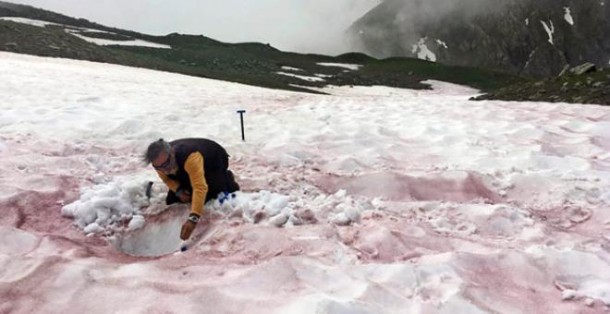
[195,170]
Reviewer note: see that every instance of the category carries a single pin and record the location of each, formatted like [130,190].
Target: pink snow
[369,200]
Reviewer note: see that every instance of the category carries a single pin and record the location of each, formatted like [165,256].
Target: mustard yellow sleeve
[171,184]
[194,167]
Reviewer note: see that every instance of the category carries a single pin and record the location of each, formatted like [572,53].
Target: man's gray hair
[154,149]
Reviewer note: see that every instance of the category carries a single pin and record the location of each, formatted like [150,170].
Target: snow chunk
[136,222]
[569,294]
[254,207]
[596,289]
[340,219]
[93,228]
[104,207]
[587,272]
[279,220]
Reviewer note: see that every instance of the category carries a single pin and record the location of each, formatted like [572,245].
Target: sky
[346,207]
[293,25]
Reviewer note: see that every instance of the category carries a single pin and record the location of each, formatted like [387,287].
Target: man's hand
[189,226]
[184,196]
[187,229]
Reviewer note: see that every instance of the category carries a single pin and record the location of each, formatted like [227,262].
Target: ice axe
[241,119]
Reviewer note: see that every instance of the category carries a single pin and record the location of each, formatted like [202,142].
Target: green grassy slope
[248,63]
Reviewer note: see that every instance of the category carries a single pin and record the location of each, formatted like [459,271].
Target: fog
[396,27]
[311,26]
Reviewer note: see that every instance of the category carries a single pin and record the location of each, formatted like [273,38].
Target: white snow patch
[76,30]
[27,21]
[91,30]
[303,77]
[353,67]
[441,43]
[549,30]
[422,50]
[110,42]
[527,21]
[568,16]
[529,58]
[287,68]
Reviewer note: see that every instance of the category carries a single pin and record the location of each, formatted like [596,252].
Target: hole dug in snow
[159,236]
[120,210]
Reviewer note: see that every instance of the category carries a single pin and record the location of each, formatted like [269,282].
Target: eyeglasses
[166,164]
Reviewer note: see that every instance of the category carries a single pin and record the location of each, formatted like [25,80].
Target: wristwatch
[193,218]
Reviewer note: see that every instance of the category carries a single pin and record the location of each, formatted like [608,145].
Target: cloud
[295,25]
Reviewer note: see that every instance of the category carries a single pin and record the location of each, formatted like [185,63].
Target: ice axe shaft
[241,119]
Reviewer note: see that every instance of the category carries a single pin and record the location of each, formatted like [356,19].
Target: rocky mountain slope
[530,37]
[582,84]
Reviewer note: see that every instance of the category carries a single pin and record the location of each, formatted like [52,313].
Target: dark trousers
[223,181]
